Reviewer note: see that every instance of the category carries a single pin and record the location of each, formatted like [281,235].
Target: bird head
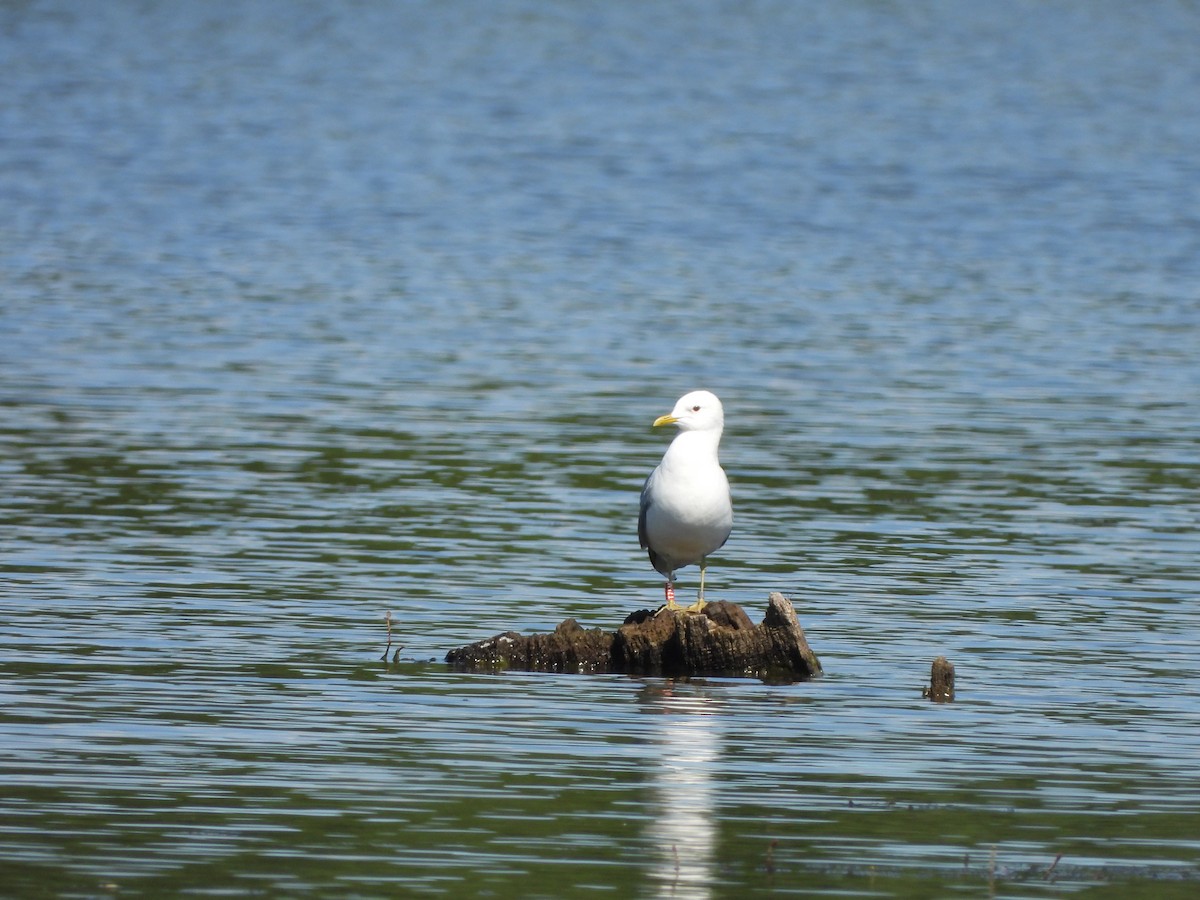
[697,411]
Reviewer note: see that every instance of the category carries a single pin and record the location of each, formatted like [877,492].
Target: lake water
[310,312]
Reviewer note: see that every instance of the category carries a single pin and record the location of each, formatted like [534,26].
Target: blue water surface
[312,312]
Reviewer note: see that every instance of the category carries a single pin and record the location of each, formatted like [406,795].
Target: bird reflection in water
[682,826]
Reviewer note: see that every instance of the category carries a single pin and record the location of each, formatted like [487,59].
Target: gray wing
[657,561]
[645,507]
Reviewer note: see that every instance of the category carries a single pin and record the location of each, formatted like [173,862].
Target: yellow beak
[665,420]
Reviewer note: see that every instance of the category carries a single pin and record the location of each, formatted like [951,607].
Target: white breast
[690,515]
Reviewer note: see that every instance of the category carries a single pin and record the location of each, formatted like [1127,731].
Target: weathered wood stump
[941,681]
[720,640]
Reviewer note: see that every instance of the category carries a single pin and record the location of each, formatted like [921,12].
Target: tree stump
[719,640]
[941,681]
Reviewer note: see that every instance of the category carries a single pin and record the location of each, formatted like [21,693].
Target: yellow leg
[700,601]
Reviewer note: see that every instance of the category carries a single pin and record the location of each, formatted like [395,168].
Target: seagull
[687,510]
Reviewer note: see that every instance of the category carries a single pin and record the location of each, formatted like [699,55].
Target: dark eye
[695,409]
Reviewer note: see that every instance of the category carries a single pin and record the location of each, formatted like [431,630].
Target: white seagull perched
[687,510]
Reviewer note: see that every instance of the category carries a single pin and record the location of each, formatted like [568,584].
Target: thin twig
[387,617]
[1050,871]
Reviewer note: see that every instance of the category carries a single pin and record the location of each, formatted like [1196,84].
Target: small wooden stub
[719,640]
[941,681]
